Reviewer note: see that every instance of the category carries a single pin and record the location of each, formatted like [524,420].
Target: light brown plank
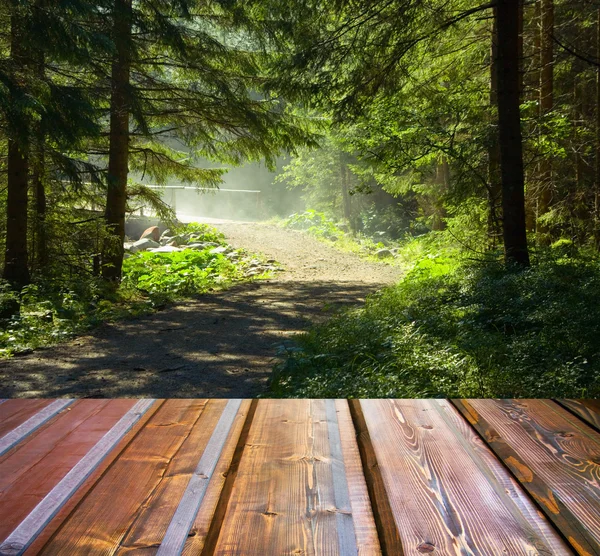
[285,499]
[150,525]
[554,455]
[448,494]
[105,515]
[588,410]
[15,412]
[30,471]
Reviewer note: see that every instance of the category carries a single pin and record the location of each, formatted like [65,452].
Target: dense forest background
[472,126]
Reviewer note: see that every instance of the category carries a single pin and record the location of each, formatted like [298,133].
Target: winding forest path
[219,345]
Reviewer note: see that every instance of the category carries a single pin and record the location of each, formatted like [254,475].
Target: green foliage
[315,223]
[172,275]
[59,307]
[453,329]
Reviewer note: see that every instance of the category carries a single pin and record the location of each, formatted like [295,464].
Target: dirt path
[220,345]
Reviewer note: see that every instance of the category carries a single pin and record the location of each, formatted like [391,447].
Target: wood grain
[284,497]
[38,544]
[554,455]
[42,514]
[15,412]
[148,530]
[588,410]
[444,495]
[104,517]
[41,461]
[38,420]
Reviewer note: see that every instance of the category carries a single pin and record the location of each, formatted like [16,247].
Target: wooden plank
[181,523]
[206,528]
[447,493]
[41,461]
[364,522]
[26,532]
[284,499]
[588,410]
[42,417]
[38,544]
[104,517]
[15,412]
[554,455]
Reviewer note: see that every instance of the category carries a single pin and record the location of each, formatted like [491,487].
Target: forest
[458,140]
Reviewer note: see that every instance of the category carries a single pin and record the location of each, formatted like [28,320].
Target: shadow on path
[219,345]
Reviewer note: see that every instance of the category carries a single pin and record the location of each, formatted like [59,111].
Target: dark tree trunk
[597,177]
[509,130]
[495,189]
[546,104]
[112,256]
[16,270]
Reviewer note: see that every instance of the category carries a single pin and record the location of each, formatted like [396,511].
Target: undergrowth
[459,328]
[54,309]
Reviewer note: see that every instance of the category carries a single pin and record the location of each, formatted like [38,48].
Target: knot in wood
[426,547]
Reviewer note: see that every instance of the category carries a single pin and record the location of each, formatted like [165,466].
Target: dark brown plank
[588,410]
[40,462]
[554,455]
[105,515]
[291,493]
[447,492]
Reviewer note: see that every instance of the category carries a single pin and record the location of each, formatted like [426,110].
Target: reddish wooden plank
[52,527]
[40,462]
[554,455]
[285,499]
[105,516]
[15,412]
[447,492]
[588,410]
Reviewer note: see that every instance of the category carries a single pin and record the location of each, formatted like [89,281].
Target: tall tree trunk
[509,129]
[495,189]
[37,180]
[16,270]
[597,180]
[546,105]
[112,256]
[442,178]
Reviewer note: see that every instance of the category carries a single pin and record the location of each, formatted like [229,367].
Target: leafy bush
[459,329]
[179,273]
[53,310]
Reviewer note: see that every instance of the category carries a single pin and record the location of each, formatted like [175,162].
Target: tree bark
[510,138]
[16,269]
[345,194]
[597,180]
[118,157]
[495,189]
[545,105]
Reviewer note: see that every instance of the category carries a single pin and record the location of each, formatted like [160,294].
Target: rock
[143,245]
[197,246]
[165,249]
[383,253]
[152,233]
[218,250]
[165,233]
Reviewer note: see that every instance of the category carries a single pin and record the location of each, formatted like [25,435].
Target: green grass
[454,327]
[57,309]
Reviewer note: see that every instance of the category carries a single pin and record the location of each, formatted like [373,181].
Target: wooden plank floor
[300,477]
